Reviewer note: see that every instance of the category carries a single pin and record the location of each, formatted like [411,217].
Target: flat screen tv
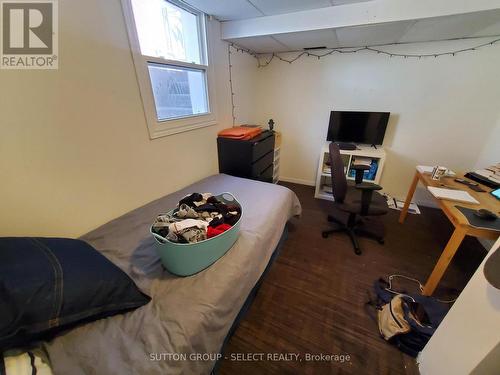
[357,127]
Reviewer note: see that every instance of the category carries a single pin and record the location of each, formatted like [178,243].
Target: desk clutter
[489,176]
[480,218]
[446,191]
[476,216]
[433,171]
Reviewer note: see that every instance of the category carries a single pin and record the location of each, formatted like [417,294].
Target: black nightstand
[250,159]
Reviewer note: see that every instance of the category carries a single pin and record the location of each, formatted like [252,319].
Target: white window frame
[160,128]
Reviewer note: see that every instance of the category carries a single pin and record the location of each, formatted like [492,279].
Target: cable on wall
[347,50]
[231,81]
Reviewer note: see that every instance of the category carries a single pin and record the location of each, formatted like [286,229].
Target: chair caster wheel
[324,235]
[357,251]
[381,241]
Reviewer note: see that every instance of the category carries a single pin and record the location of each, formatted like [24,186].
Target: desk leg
[444,260]
[409,197]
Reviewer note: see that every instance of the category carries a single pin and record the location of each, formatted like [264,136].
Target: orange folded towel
[240,132]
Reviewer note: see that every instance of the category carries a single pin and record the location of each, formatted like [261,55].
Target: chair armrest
[368,186]
[360,167]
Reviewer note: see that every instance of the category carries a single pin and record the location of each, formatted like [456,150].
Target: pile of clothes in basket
[196,218]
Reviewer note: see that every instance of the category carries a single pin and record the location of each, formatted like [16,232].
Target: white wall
[74,145]
[245,79]
[469,332]
[490,154]
[443,109]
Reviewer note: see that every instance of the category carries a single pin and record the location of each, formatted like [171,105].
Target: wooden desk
[462,226]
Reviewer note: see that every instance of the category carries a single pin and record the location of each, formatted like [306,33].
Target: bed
[187,317]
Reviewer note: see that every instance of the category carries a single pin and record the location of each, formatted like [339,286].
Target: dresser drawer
[261,147]
[266,175]
[247,158]
[262,164]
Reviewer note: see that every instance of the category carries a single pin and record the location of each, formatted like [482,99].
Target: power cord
[420,286]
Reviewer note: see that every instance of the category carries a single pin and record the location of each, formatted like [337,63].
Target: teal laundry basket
[185,259]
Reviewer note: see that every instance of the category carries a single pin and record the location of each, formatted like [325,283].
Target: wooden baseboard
[298,181]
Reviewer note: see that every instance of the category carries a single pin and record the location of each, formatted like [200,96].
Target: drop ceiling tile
[229,10]
[225,10]
[307,39]
[261,44]
[272,7]
[384,33]
[458,26]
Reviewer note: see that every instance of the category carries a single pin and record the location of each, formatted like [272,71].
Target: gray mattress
[186,315]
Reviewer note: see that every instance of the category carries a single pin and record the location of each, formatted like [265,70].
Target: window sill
[164,129]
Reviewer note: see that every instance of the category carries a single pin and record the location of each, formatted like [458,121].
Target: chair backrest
[339,181]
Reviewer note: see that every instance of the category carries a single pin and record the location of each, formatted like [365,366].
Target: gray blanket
[186,315]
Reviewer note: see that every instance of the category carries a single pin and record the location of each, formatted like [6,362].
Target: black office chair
[352,209]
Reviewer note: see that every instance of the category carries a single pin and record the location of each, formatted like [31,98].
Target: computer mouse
[485,214]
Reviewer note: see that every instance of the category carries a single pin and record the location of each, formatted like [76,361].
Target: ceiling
[476,24]
[432,29]
[231,10]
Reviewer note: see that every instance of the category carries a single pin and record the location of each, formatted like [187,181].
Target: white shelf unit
[276,165]
[276,161]
[323,177]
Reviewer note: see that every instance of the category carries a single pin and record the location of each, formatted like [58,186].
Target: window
[168,41]
[178,92]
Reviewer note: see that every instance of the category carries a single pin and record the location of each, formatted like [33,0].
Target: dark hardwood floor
[313,298]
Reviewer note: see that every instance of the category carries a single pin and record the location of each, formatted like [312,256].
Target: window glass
[167,31]
[178,91]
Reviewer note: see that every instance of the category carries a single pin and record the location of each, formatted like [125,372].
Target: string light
[263,62]
[341,50]
[231,81]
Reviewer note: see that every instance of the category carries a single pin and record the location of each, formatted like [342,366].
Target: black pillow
[47,284]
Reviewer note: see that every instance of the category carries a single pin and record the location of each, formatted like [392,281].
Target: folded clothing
[190,230]
[188,235]
[179,226]
[240,132]
[196,218]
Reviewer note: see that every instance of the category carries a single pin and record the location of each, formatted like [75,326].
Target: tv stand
[363,154]
[346,146]
[374,146]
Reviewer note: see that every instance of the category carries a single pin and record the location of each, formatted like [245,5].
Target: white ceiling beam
[357,14]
